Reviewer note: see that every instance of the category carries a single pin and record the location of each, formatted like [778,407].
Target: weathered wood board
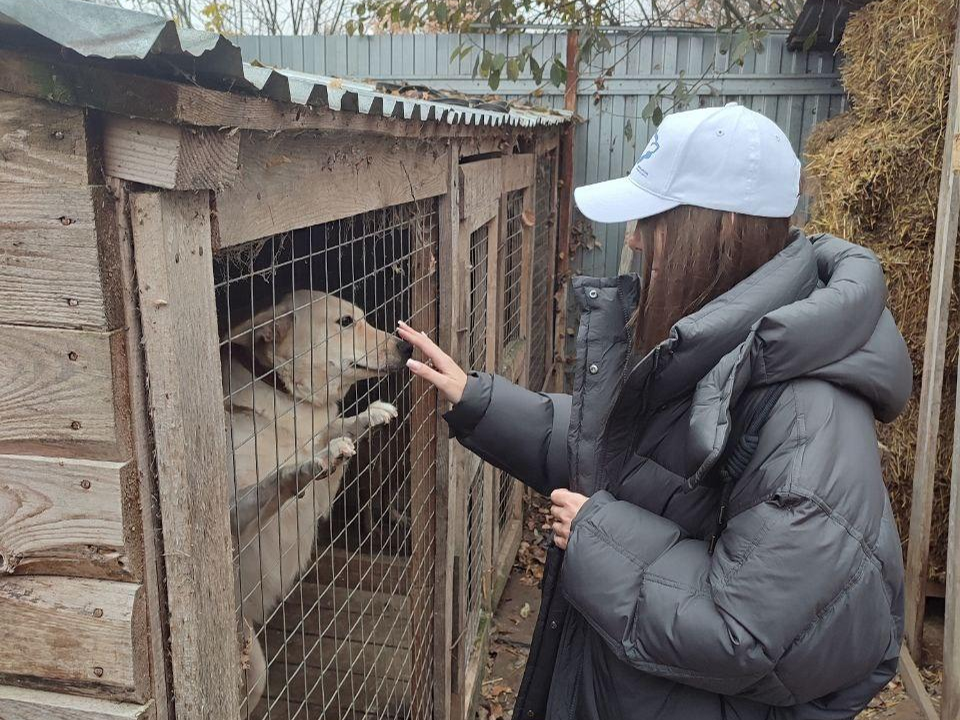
[480,184]
[86,636]
[175,274]
[54,269]
[289,182]
[25,704]
[170,156]
[64,392]
[60,516]
[42,142]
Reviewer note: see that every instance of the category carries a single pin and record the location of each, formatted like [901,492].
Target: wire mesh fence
[332,453]
[477,538]
[544,238]
[510,255]
[511,259]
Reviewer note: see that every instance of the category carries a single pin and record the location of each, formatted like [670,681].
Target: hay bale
[876,170]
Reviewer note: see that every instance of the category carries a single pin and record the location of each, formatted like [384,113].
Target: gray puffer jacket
[798,612]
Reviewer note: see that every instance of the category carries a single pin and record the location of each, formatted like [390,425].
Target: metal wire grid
[507,488]
[479,252]
[511,262]
[476,537]
[333,586]
[476,556]
[541,322]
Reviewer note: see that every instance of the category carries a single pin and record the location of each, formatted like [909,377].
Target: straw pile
[875,171]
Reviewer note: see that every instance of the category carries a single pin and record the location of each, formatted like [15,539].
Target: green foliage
[742,25]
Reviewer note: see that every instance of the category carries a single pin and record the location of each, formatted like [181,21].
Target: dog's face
[319,345]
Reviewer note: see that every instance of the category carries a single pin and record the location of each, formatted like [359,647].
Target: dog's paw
[381,413]
[339,450]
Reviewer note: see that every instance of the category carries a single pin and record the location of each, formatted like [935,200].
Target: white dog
[317,346]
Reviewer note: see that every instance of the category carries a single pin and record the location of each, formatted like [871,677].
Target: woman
[730,551]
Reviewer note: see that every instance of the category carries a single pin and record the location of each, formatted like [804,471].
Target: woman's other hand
[441,370]
[564,508]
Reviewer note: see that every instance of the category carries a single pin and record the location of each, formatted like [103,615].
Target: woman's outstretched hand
[440,370]
[564,507]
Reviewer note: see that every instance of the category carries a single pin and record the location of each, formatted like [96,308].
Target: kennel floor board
[338,653]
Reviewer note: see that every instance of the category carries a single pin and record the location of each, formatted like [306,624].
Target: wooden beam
[154,571]
[565,206]
[950,704]
[101,88]
[423,475]
[480,184]
[913,684]
[85,636]
[78,518]
[931,388]
[42,142]
[59,256]
[24,704]
[175,274]
[294,182]
[170,156]
[453,291]
[518,171]
[72,402]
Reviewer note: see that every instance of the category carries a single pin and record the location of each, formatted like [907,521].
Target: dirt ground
[514,621]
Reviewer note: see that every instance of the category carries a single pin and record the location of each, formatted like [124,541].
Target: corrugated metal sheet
[796,90]
[111,33]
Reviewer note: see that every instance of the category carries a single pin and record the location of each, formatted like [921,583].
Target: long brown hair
[692,255]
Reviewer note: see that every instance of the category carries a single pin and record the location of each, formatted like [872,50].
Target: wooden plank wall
[73,575]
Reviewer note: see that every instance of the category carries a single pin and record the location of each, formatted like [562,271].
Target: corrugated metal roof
[111,33]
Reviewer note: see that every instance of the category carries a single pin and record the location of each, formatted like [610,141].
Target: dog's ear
[269,325]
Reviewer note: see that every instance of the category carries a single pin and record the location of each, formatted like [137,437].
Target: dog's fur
[317,346]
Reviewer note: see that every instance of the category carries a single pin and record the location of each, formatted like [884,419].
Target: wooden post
[565,206]
[931,389]
[950,706]
[454,270]
[423,475]
[173,254]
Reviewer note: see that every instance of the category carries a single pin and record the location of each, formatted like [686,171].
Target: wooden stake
[931,389]
[913,684]
[565,202]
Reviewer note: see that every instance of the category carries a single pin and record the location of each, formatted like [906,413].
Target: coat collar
[702,342]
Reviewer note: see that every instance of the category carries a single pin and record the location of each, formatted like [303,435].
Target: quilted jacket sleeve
[514,429]
[791,607]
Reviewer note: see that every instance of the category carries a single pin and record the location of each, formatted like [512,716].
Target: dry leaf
[525,610]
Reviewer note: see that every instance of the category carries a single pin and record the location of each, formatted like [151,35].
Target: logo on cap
[651,148]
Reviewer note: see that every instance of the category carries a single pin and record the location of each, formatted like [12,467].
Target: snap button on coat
[594,369]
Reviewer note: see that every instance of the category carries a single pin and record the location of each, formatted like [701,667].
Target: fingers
[443,383]
[425,345]
[561,534]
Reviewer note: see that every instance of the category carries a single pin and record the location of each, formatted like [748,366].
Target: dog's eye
[345,321]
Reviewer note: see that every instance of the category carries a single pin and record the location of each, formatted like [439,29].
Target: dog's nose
[405,348]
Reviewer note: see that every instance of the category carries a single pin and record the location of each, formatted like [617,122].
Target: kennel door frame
[479,204]
[174,267]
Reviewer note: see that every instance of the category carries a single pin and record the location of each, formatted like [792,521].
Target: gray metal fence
[794,89]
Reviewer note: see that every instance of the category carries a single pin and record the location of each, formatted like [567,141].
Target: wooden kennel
[125,194]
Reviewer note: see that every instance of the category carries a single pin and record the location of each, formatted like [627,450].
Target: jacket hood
[817,309]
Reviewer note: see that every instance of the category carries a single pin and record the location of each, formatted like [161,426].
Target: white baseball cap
[729,158]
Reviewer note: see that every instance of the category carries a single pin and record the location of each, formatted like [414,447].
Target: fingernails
[413,364]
